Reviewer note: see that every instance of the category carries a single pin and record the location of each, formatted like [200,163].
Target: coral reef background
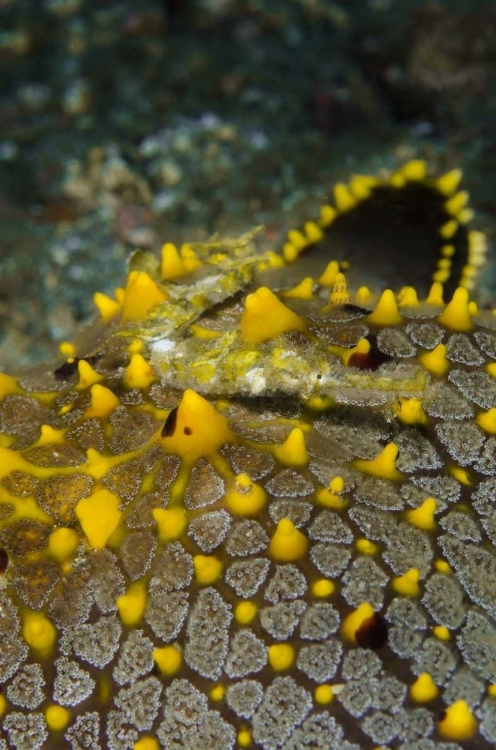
[126,126]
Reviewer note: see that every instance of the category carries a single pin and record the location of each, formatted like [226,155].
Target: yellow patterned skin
[258,511]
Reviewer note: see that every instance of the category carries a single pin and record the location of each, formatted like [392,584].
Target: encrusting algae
[255,506]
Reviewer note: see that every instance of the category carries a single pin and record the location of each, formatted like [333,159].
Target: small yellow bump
[362,347]
[329,274]
[303,290]
[455,204]
[457,722]
[407,297]
[383,465]
[447,251]
[172,265]
[289,252]
[448,183]
[131,605]
[39,633]
[63,543]
[442,566]
[139,373]
[355,620]
[441,632]
[423,516]
[8,385]
[287,543]
[140,296]
[449,229]
[107,307]
[343,198]
[361,185]
[168,659]
[327,215]
[323,588]
[49,436]
[461,475]
[281,656]
[244,738]
[386,311]
[487,420]
[465,215]
[456,314]
[363,296]
[323,694]
[435,296]
[407,584]
[313,232]
[3,705]
[424,689]
[414,170]
[205,334]
[57,717]
[146,743]
[366,547]
[297,239]
[246,498]
[410,411]
[103,402]
[245,612]
[491,367]
[67,349]
[172,523]
[492,690]
[218,692]
[99,516]
[293,451]
[208,569]
[87,375]
[435,361]
[265,317]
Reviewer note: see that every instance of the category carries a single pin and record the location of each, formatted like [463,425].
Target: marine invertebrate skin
[253,512]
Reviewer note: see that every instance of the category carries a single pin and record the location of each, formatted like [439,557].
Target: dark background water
[126,125]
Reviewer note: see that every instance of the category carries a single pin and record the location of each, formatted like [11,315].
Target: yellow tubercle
[456,203]
[246,498]
[287,543]
[461,475]
[87,375]
[303,290]
[63,543]
[410,411]
[407,297]
[383,465]
[407,584]
[313,232]
[297,239]
[265,317]
[99,516]
[198,429]
[190,258]
[487,420]
[132,604]
[414,170]
[323,588]
[424,689]
[327,215]
[329,274]
[245,612]
[423,516]
[208,569]
[441,632]
[140,296]
[456,315]
[386,311]
[103,402]
[39,633]
[457,722]
[366,547]
[107,307]
[323,694]
[57,717]
[139,373]
[448,183]
[168,659]
[50,436]
[442,566]
[361,185]
[171,522]
[99,465]
[8,386]
[491,367]
[449,229]
[146,743]
[343,198]
[435,296]
[67,349]
[218,692]
[205,334]
[355,620]
[491,690]
[172,265]
[244,738]
[435,361]
[293,451]
[363,297]
[289,252]
[281,656]
[3,705]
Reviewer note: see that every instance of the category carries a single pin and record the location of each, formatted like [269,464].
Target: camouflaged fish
[256,505]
